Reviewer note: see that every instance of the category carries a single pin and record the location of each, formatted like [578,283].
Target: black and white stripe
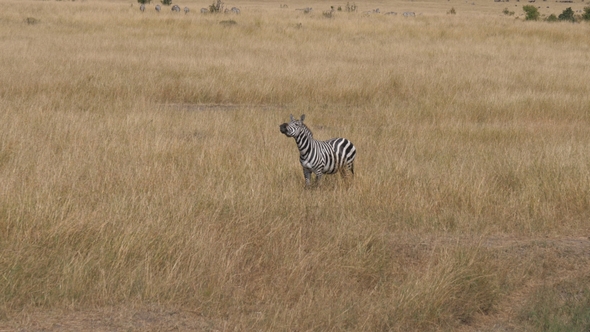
[320,157]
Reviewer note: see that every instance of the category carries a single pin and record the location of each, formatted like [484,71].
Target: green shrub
[551,18]
[144,1]
[507,12]
[228,22]
[31,20]
[532,14]
[166,2]
[586,15]
[567,15]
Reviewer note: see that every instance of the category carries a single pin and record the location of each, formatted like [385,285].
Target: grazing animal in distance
[158,8]
[176,8]
[186,10]
[142,7]
[320,157]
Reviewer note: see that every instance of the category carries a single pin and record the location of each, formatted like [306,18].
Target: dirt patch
[577,244]
[119,318]
[217,107]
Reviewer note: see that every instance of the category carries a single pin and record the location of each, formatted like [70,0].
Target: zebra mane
[306,129]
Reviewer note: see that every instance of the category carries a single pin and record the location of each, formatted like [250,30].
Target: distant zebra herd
[377,11]
[176,8]
[236,10]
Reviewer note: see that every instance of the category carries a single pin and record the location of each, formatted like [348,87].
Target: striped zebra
[186,10]
[320,157]
[142,7]
[305,10]
[408,14]
[158,8]
[176,8]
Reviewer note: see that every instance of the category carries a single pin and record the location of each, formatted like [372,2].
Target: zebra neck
[304,143]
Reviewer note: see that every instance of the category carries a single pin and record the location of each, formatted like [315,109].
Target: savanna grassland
[144,183]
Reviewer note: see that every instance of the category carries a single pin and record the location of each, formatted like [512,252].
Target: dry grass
[141,164]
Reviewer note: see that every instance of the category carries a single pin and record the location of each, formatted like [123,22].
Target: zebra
[320,157]
[408,14]
[305,10]
[186,10]
[158,8]
[175,8]
[204,10]
[142,7]
[235,10]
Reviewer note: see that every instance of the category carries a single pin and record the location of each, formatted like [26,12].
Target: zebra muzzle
[284,128]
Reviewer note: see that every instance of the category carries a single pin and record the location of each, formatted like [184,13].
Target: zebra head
[294,127]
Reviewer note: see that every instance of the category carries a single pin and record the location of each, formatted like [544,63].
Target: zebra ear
[302,117]
[292,118]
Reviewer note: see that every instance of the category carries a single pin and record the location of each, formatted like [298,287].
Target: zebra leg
[318,177]
[345,176]
[307,174]
[345,169]
[343,172]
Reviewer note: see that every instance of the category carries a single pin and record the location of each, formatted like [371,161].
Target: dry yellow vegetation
[141,166]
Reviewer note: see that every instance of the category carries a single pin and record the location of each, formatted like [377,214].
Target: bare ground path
[119,318]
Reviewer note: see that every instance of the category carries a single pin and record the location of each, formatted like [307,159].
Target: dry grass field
[144,183]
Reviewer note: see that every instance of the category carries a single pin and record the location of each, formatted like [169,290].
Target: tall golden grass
[141,162]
